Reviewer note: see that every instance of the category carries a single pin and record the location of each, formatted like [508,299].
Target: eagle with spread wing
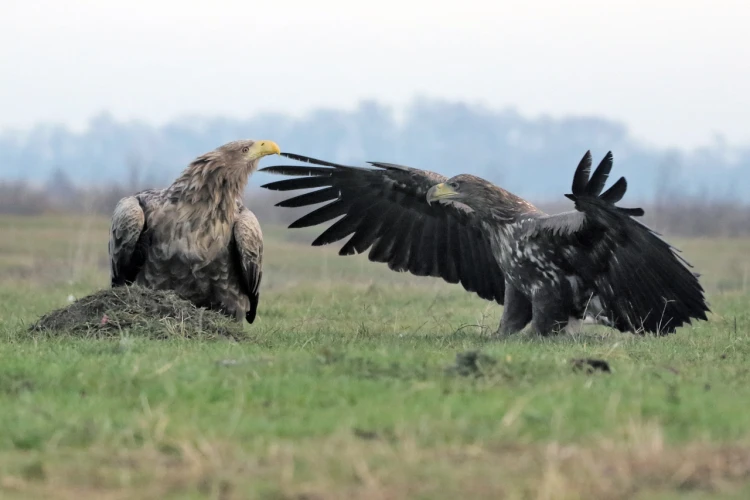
[544,269]
[196,237]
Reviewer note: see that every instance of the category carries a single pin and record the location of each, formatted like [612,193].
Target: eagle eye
[245,149]
[454,185]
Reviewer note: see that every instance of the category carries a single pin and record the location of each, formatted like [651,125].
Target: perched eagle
[545,269]
[196,237]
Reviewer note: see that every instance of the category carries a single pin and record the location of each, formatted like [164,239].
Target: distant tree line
[703,192]
[533,157]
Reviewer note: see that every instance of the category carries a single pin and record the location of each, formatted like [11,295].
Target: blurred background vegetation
[702,192]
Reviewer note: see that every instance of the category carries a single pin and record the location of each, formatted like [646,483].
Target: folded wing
[248,248]
[126,252]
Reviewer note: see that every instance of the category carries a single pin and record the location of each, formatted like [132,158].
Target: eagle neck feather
[208,190]
[204,199]
[502,207]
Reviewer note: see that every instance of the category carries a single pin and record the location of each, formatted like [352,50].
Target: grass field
[343,390]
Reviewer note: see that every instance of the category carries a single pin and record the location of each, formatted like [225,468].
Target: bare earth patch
[152,313]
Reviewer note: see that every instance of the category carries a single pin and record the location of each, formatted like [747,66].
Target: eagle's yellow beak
[263,148]
[440,192]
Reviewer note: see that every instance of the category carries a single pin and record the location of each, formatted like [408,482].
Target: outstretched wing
[248,239]
[385,209]
[643,284]
[126,252]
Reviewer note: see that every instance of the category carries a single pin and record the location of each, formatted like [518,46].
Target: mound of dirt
[142,311]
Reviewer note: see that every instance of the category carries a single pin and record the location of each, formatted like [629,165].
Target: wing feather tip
[581,176]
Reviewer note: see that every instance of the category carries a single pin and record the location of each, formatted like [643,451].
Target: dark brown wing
[249,247]
[126,257]
[385,209]
[643,284]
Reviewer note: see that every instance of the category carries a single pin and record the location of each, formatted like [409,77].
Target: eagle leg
[549,314]
[516,312]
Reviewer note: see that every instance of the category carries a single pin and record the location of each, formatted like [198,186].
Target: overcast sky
[676,72]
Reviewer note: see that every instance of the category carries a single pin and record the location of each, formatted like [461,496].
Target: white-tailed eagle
[196,237]
[545,269]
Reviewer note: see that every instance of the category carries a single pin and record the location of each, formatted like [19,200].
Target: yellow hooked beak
[260,149]
[440,192]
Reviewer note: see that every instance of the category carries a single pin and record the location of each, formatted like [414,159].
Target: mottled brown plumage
[196,237]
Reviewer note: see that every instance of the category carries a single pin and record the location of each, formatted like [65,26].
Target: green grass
[344,391]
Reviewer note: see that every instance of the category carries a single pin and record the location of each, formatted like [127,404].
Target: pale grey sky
[676,72]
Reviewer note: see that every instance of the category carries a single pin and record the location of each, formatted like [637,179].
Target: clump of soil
[591,365]
[471,363]
[142,311]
